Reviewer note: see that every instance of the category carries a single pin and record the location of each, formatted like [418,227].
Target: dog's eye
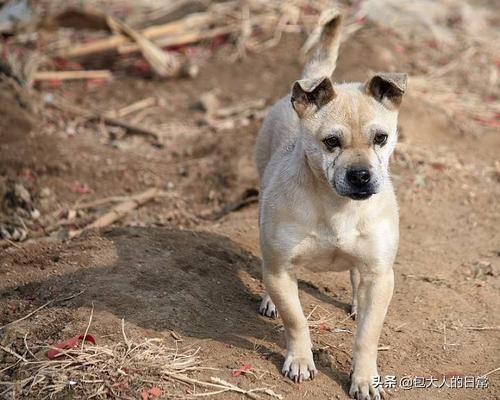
[380,139]
[331,142]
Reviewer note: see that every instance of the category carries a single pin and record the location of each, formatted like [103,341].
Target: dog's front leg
[355,285]
[374,295]
[282,287]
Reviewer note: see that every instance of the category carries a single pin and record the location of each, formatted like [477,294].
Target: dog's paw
[267,307]
[364,388]
[299,366]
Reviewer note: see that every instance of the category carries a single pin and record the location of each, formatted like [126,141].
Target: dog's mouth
[360,195]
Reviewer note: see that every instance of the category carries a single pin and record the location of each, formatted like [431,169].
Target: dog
[327,202]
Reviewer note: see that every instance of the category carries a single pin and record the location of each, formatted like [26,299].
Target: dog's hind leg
[267,307]
[355,285]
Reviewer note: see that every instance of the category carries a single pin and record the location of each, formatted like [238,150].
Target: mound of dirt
[159,279]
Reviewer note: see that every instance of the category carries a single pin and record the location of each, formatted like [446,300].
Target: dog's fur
[311,214]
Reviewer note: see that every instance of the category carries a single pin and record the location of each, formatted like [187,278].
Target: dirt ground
[167,267]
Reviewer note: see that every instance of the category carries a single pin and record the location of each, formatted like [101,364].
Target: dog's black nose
[358,176]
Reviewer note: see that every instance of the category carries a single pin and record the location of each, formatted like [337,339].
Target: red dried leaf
[399,49]
[243,369]
[493,122]
[81,188]
[324,328]
[155,391]
[71,343]
[439,166]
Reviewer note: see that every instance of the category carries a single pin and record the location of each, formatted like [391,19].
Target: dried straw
[122,370]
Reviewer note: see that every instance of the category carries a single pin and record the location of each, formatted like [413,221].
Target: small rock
[209,102]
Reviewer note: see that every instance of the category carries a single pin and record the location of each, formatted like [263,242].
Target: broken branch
[162,62]
[113,42]
[94,115]
[70,75]
[119,211]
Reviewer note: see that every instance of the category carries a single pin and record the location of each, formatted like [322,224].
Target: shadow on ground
[199,284]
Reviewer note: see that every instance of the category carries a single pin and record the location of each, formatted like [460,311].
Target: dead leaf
[242,370]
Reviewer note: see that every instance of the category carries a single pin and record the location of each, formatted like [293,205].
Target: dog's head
[349,130]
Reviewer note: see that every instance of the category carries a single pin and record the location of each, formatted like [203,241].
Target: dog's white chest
[331,248]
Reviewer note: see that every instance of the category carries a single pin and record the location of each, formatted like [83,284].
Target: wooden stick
[70,75]
[190,22]
[217,385]
[163,63]
[94,115]
[244,107]
[138,105]
[182,39]
[119,211]
[483,328]
[490,372]
[92,204]
[12,352]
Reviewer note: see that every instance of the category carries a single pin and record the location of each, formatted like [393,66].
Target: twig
[70,75]
[183,39]
[250,196]
[247,107]
[250,393]
[234,388]
[113,42]
[12,352]
[92,204]
[88,326]
[71,296]
[119,211]
[398,328]
[218,384]
[312,311]
[490,372]
[125,339]
[12,243]
[236,206]
[162,62]
[94,115]
[27,348]
[138,105]
[346,318]
[483,328]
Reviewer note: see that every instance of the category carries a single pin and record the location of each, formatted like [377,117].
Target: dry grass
[122,370]
[456,52]
[466,88]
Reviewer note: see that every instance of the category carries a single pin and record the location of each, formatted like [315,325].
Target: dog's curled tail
[324,42]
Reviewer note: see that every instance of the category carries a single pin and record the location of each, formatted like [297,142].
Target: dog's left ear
[309,95]
[388,88]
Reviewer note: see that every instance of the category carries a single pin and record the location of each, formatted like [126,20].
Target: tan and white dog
[327,202]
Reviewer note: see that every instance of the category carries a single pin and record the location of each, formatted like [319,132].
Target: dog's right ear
[309,95]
